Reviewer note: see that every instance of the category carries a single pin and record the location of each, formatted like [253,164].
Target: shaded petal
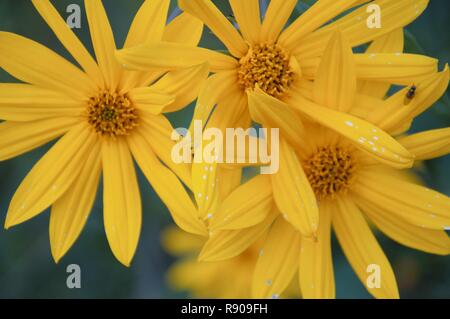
[167,186]
[185,28]
[33,63]
[206,11]
[24,102]
[277,15]
[122,215]
[68,39]
[362,249]
[293,193]
[178,242]
[51,177]
[150,100]
[70,212]
[335,85]
[316,262]
[429,144]
[248,17]
[277,262]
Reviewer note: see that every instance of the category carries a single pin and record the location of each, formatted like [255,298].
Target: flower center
[267,66]
[330,171]
[112,114]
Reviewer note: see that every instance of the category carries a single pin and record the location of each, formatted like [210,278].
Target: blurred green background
[26,266]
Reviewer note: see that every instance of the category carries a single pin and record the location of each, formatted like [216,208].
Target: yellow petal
[149,23]
[122,214]
[33,63]
[246,206]
[206,11]
[178,242]
[51,177]
[103,42]
[399,69]
[169,56]
[230,180]
[23,102]
[429,144]
[149,100]
[70,212]
[316,264]
[184,84]
[317,15]
[275,19]
[362,250]
[226,244]
[167,186]
[205,185]
[416,204]
[273,113]
[68,39]
[277,262]
[395,14]
[248,17]
[335,85]
[392,42]
[364,135]
[185,28]
[427,240]
[293,193]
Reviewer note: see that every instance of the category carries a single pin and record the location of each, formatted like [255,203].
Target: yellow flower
[106,116]
[348,172]
[223,279]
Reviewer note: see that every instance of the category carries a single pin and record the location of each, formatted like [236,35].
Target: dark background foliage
[27,269]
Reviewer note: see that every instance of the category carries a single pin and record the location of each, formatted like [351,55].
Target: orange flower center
[330,171]
[267,66]
[112,114]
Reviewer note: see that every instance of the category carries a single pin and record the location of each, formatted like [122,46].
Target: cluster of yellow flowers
[345,157]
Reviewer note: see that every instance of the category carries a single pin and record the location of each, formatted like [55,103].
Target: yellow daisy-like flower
[350,182]
[224,279]
[106,116]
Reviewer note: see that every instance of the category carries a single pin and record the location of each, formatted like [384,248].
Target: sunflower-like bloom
[349,172]
[224,279]
[106,116]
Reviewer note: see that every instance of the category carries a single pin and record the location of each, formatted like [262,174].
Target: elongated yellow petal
[226,244]
[430,241]
[68,39]
[335,85]
[246,206]
[185,28]
[416,204]
[103,42]
[33,63]
[178,242]
[170,56]
[51,176]
[23,102]
[150,100]
[316,265]
[316,16]
[293,193]
[230,180]
[392,42]
[149,23]
[400,69]
[277,262]
[363,134]
[19,138]
[184,84]
[248,17]
[205,185]
[157,130]
[276,17]
[273,113]
[70,212]
[394,15]
[121,199]
[167,186]
[429,144]
[363,251]
[206,11]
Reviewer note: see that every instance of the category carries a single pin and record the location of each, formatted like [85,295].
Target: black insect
[410,94]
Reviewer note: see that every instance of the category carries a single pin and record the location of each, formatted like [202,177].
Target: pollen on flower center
[112,114]
[267,66]
[330,171]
